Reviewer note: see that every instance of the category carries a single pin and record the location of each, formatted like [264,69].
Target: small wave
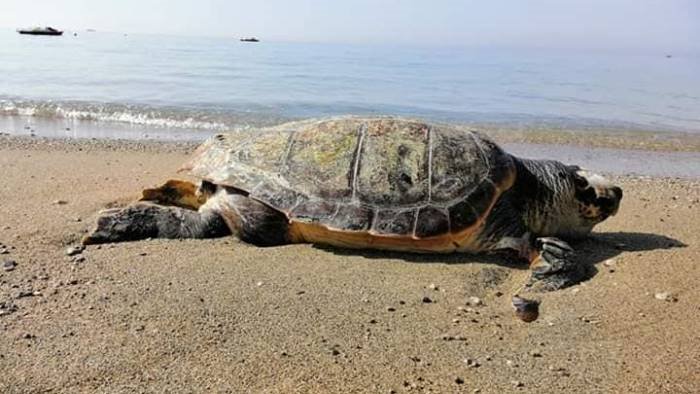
[210,118]
[122,113]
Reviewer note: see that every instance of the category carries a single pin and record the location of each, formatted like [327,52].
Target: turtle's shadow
[591,251]
[600,247]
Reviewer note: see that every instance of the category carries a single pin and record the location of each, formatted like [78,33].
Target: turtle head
[569,201]
[596,198]
[563,200]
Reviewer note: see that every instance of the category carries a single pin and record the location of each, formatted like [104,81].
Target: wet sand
[644,138]
[222,316]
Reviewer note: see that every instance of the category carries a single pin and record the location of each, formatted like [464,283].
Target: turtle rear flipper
[145,220]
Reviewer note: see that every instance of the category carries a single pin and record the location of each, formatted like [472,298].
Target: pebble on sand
[74,250]
[471,363]
[9,265]
[474,301]
[78,259]
[25,293]
[609,262]
[665,296]
[526,310]
[7,307]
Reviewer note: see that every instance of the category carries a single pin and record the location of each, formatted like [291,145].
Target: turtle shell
[381,176]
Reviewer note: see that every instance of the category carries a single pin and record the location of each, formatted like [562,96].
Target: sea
[173,87]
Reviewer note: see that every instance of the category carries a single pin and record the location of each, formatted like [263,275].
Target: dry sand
[222,316]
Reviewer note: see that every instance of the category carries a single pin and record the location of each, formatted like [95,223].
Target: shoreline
[219,315]
[617,137]
[625,139]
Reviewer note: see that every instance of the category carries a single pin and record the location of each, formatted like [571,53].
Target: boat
[41,31]
[250,39]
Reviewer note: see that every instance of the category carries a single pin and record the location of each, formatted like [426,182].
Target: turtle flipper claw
[554,245]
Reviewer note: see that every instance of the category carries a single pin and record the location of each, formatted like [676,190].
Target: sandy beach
[221,316]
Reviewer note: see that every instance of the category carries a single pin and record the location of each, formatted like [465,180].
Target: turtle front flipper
[552,265]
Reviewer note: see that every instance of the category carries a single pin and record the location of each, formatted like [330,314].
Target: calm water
[206,84]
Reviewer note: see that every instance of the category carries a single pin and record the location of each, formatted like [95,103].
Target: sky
[605,24]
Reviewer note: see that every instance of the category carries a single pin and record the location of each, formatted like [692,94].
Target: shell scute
[314,210]
[351,217]
[393,167]
[320,159]
[395,221]
[467,212]
[278,196]
[431,222]
[458,164]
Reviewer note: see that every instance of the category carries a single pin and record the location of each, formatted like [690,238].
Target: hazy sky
[662,24]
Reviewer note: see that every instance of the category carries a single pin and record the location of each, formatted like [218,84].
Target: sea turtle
[376,183]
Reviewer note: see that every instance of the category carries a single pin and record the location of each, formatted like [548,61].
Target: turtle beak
[609,202]
[617,192]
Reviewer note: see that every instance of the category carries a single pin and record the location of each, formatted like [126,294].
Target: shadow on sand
[590,252]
